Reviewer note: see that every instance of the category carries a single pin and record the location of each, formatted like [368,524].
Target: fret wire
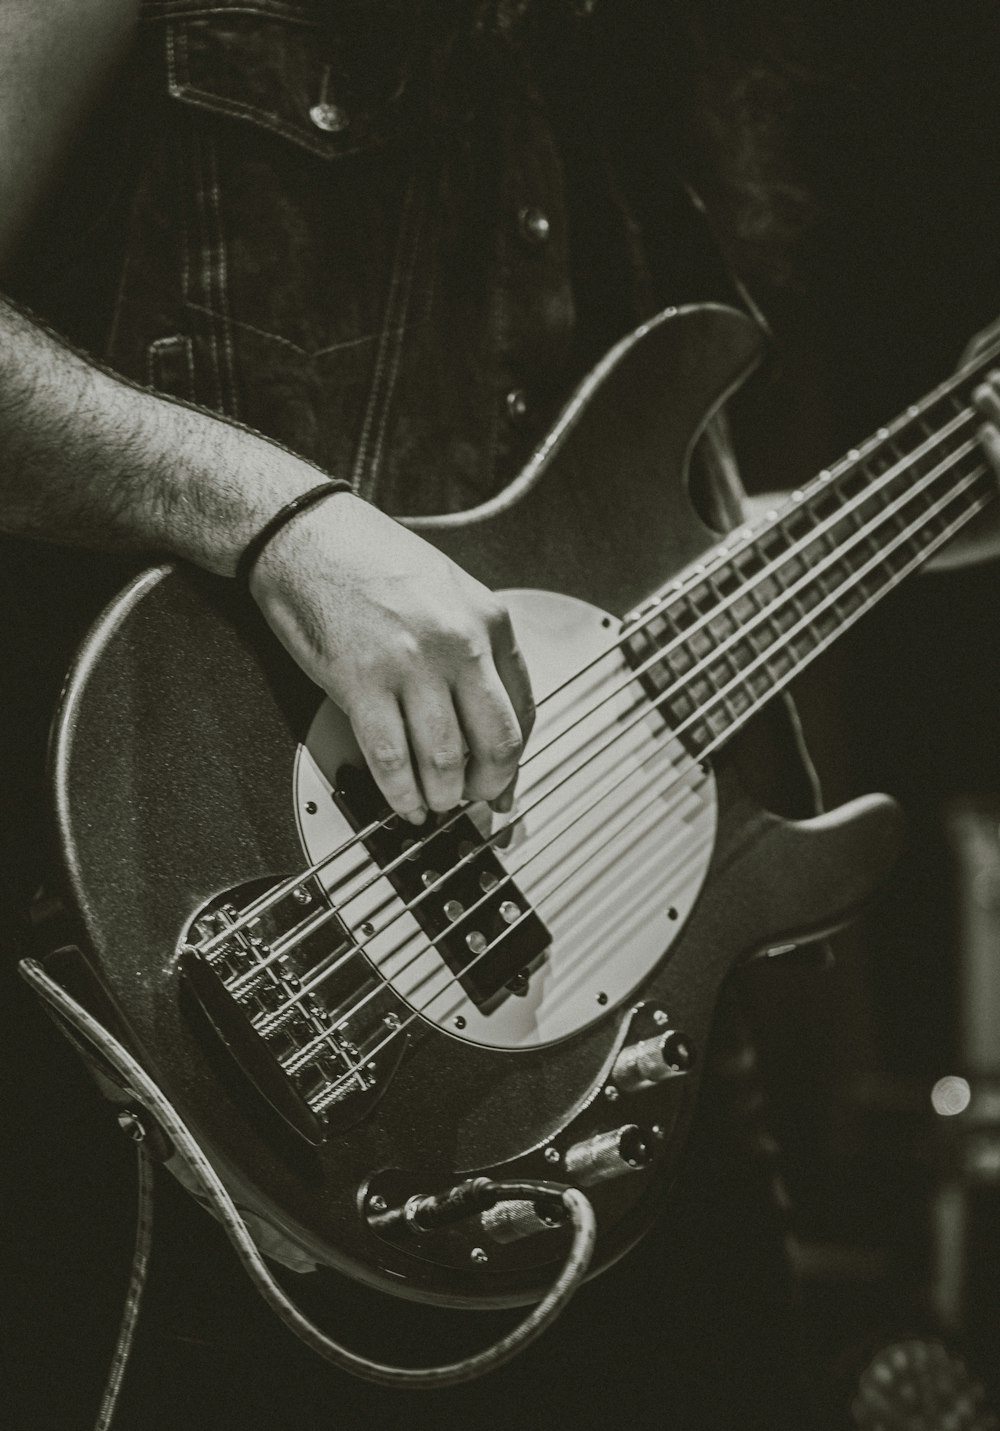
[774,609]
[903,424]
[830,601]
[855,616]
[945,536]
[827,526]
[742,543]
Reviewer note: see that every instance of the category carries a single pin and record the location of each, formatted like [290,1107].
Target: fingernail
[502,804]
[418,816]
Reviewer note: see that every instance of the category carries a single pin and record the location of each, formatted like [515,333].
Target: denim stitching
[222,279]
[285,342]
[500,335]
[205,269]
[396,334]
[381,356]
[182,89]
[191,9]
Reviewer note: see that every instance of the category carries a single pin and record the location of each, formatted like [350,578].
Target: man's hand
[420,656]
[986,397]
[980,540]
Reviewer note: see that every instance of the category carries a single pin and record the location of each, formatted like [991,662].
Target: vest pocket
[293,79]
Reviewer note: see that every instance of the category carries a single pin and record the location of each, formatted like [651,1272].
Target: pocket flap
[291,78]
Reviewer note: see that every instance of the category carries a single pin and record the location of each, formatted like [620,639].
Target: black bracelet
[248,557]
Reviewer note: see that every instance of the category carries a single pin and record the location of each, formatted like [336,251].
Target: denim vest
[396,252]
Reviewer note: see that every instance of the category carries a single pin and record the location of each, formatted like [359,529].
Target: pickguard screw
[311,807]
[459,1021]
[551,1155]
[671,913]
[367,930]
[660,1018]
[478,1254]
[602,998]
[611,1093]
[300,895]
[377,1204]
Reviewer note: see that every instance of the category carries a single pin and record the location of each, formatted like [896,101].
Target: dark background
[901,265]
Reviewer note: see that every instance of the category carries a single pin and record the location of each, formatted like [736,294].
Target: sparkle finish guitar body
[194,766]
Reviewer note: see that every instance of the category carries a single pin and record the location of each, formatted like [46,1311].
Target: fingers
[436,741]
[492,731]
[380,732]
[451,729]
[987,396]
[513,672]
[984,339]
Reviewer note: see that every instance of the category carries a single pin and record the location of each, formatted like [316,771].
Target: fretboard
[719,643]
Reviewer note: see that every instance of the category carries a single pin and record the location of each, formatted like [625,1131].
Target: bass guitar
[359,1020]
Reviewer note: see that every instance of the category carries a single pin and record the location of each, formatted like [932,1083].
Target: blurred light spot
[951,1095]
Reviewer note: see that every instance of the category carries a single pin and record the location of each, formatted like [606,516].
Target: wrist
[219,486]
[254,549]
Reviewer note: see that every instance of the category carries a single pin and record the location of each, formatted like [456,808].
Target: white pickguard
[612,860]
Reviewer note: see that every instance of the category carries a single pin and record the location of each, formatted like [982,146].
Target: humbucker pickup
[457,890]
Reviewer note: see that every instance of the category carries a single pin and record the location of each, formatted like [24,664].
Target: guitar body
[191,759]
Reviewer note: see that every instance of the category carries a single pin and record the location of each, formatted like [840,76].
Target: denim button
[328,117]
[517,404]
[534,225]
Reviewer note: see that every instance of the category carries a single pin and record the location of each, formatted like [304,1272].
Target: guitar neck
[719,644]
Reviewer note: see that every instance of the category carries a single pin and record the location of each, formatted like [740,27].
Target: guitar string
[264,1026]
[741,542]
[268,1021]
[294,1065]
[615,826]
[321,1101]
[276,1015]
[659,656]
[789,594]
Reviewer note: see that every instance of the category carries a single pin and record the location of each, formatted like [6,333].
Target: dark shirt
[394,237]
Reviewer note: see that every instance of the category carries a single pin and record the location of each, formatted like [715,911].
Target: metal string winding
[643,708]
[744,540]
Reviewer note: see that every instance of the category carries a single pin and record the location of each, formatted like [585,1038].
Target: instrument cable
[138,1083]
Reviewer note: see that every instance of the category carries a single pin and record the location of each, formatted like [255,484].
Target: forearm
[89,460]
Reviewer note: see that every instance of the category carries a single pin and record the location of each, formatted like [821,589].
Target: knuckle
[446,760]
[390,759]
[467,643]
[499,622]
[507,750]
